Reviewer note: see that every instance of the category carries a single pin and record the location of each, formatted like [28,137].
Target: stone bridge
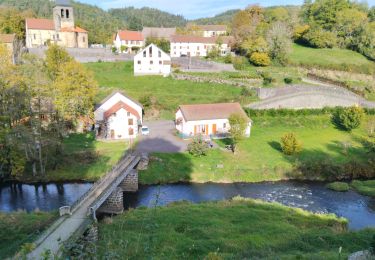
[106,195]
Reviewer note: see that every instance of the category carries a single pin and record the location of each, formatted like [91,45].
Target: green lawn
[335,58]
[84,159]
[169,93]
[259,158]
[19,228]
[237,229]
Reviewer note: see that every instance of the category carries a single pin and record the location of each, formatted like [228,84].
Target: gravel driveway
[161,139]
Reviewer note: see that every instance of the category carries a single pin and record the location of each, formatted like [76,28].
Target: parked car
[145,130]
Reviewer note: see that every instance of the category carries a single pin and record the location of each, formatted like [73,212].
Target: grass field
[364,187]
[335,58]
[237,229]
[83,159]
[19,228]
[169,93]
[259,158]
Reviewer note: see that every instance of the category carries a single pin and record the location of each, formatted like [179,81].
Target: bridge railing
[99,182]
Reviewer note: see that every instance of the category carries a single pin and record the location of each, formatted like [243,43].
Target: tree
[238,124]
[319,38]
[163,44]
[198,147]
[290,145]
[348,118]
[279,42]
[277,14]
[56,57]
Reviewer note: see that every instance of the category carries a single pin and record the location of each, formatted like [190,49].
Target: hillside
[150,17]
[223,18]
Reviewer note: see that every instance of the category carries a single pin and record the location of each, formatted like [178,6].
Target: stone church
[60,30]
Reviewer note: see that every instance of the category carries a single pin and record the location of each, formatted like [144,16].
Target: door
[112,134]
[214,129]
[207,130]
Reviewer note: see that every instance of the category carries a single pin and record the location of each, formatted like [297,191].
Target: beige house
[158,33]
[61,30]
[213,30]
[128,41]
[10,42]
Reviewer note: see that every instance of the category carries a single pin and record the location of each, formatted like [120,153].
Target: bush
[348,118]
[320,39]
[290,145]
[135,49]
[114,49]
[123,48]
[260,59]
[288,80]
[228,58]
[338,186]
[369,144]
[267,79]
[246,92]
[239,62]
[198,147]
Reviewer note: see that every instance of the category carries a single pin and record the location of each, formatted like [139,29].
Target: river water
[312,196]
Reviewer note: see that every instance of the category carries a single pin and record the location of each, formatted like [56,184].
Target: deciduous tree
[238,124]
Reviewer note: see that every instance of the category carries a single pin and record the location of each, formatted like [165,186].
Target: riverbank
[19,228]
[328,154]
[234,229]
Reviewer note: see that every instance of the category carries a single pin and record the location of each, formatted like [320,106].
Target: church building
[61,30]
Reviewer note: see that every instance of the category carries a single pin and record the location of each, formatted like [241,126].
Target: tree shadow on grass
[276,145]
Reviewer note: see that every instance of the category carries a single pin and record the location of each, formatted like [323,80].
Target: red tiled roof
[200,39]
[76,29]
[42,24]
[130,35]
[7,38]
[211,111]
[118,106]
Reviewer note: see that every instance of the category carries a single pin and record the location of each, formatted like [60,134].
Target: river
[312,196]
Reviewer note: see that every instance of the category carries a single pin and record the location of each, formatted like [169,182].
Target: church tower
[63,15]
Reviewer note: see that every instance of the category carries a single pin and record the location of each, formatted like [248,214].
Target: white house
[118,117]
[152,61]
[207,120]
[198,46]
[128,41]
[213,30]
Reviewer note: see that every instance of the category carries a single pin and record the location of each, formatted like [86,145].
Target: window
[53,37]
[144,54]
[175,53]
[150,52]
[198,48]
[57,36]
[174,47]
[34,36]
[205,47]
[198,53]
[128,113]
[130,121]
[225,125]
[84,39]
[139,62]
[151,62]
[159,54]
[62,13]
[160,62]
[67,14]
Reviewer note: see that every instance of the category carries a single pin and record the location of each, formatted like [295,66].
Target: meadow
[233,229]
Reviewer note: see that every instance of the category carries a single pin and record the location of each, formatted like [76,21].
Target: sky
[193,9]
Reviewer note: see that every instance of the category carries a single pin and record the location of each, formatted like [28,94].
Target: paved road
[162,139]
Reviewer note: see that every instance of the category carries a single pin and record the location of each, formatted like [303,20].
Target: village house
[152,61]
[61,30]
[213,30]
[9,40]
[158,33]
[207,120]
[128,41]
[118,117]
[198,46]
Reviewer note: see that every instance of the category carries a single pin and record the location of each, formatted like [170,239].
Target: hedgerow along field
[233,229]
[169,93]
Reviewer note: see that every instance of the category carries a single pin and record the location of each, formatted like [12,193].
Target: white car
[145,130]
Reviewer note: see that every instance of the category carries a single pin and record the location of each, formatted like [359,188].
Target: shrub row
[298,112]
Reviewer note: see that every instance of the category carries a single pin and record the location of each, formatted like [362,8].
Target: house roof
[119,105]
[213,27]
[76,29]
[130,35]
[114,93]
[156,32]
[211,111]
[150,45]
[41,24]
[200,39]
[7,38]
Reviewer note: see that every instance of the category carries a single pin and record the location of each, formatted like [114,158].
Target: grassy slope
[259,158]
[364,187]
[84,159]
[328,57]
[168,92]
[236,229]
[19,228]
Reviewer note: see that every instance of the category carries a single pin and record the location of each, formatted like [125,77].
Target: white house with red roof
[208,120]
[118,117]
[128,41]
[199,46]
[61,30]
[152,61]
